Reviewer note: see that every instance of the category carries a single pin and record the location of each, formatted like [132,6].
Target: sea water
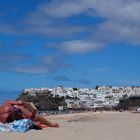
[8,95]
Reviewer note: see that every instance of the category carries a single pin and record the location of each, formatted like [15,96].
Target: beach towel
[22,125]
[4,127]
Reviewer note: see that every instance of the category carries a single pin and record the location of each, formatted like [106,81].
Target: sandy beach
[85,126]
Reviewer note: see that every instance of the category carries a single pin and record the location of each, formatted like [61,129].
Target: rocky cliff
[42,100]
[130,102]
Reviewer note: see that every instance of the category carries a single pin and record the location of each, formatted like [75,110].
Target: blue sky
[74,43]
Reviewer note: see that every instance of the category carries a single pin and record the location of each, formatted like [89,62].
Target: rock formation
[43,100]
[130,102]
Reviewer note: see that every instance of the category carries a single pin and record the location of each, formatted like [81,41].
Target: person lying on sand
[15,110]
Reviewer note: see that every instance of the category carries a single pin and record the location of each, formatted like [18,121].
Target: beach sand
[85,126]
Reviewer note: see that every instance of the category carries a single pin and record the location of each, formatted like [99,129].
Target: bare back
[5,112]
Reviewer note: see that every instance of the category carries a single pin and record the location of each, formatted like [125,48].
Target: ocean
[8,95]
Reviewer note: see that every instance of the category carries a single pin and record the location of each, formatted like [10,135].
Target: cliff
[42,100]
[130,102]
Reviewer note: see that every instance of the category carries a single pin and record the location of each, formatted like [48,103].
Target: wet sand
[85,126]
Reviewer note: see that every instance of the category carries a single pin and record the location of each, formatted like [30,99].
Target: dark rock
[43,100]
[130,102]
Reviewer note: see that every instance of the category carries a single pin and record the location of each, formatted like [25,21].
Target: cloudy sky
[74,43]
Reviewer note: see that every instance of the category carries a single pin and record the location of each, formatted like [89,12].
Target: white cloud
[29,64]
[39,23]
[121,23]
[54,31]
[80,46]
[65,8]
[120,11]
[110,9]
[122,18]
[30,70]
[112,31]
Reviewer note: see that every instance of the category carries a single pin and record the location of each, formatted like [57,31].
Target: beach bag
[22,125]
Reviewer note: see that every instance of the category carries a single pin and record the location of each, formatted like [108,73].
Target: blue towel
[5,127]
[22,125]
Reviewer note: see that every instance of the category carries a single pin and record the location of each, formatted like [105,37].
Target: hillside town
[100,96]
